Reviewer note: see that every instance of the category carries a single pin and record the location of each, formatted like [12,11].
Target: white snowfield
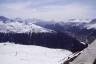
[31,54]
[21,27]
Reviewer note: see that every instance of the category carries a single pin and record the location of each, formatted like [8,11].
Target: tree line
[50,40]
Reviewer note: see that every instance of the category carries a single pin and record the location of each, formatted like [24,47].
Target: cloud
[16,6]
[66,11]
[48,9]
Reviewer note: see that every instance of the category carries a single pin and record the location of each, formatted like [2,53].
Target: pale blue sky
[48,9]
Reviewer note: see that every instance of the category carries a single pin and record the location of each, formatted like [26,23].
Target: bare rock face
[88,56]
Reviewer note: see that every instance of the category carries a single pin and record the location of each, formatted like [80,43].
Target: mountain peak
[2,18]
[19,27]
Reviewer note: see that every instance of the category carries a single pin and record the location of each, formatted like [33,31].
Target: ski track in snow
[31,54]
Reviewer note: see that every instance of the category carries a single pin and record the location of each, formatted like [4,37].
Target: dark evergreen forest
[51,40]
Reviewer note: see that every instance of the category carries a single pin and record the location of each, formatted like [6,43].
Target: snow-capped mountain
[2,18]
[19,27]
[74,27]
[91,25]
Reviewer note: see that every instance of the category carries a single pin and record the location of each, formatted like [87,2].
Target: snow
[19,27]
[78,20]
[90,26]
[31,54]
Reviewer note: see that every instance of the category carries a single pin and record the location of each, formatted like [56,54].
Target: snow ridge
[19,27]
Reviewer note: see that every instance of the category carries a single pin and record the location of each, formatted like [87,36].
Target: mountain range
[83,30]
[51,34]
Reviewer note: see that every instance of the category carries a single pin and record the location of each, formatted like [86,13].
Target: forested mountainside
[50,40]
[82,31]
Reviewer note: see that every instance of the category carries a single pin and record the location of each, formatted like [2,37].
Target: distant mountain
[21,27]
[2,18]
[91,25]
[82,31]
[93,21]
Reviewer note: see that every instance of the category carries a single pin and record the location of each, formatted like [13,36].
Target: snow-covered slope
[20,27]
[30,54]
[90,26]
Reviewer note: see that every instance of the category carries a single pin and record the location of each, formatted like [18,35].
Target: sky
[48,9]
